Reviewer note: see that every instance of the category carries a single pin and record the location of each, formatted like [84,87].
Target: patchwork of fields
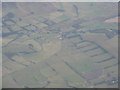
[59,45]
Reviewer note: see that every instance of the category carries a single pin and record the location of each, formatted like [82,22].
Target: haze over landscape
[60,44]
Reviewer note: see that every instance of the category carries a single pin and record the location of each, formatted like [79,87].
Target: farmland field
[59,45]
